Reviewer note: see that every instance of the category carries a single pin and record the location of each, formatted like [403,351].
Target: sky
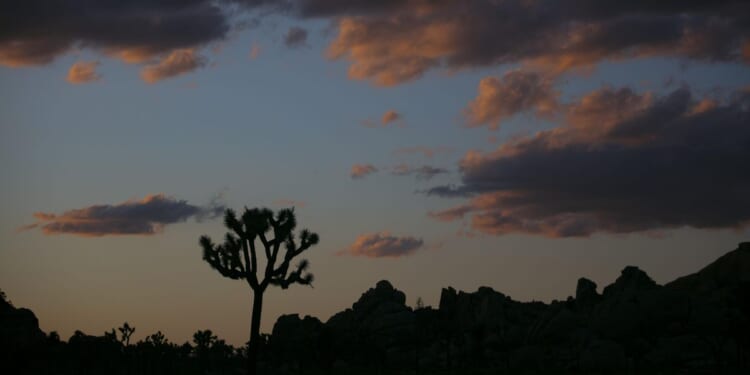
[513,144]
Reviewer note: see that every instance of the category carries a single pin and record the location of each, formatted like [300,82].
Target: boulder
[631,279]
[19,327]
[379,328]
[586,294]
[296,342]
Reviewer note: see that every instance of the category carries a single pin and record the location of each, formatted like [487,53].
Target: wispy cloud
[362,170]
[83,72]
[425,172]
[147,216]
[178,62]
[388,118]
[383,245]
[255,51]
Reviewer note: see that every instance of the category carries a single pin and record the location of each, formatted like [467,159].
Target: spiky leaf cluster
[236,257]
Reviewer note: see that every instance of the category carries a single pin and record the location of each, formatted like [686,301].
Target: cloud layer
[389,42]
[623,162]
[383,245]
[143,217]
[392,42]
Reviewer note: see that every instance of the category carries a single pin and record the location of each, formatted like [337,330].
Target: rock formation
[697,323]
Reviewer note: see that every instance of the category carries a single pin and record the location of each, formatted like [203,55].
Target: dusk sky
[516,144]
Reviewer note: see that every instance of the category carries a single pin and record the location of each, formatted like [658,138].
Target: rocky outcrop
[19,328]
[730,271]
[379,326]
[631,280]
[296,342]
[586,294]
[692,324]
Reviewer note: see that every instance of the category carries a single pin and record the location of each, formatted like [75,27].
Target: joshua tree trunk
[252,355]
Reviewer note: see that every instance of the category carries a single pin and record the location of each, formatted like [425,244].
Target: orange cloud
[178,62]
[147,216]
[362,170]
[515,92]
[381,53]
[83,72]
[18,53]
[451,214]
[383,245]
[389,117]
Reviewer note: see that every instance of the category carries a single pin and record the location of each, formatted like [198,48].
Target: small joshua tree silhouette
[125,331]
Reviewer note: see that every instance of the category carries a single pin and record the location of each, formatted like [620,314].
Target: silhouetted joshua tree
[237,259]
[125,331]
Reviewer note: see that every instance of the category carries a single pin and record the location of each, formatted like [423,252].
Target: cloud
[255,51]
[389,117]
[451,214]
[399,41]
[424,172]
[362,170]
[428,152]
[295,37]
[515,92]
[383,245]
[623,162]
[178,62]
[83,72]
[142,217]
[390,42]
[35,32]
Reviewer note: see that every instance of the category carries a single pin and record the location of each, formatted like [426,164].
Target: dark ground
[697,324]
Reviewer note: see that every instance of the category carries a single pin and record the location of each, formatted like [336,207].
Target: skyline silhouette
[697,323]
